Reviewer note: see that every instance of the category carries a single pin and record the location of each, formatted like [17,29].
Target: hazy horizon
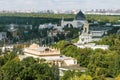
[37,5]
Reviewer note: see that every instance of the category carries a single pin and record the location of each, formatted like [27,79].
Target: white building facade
[51,55]
[3,35]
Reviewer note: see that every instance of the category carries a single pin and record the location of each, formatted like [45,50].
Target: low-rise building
[51,55]
[3,35]
[12,30]
[93,46]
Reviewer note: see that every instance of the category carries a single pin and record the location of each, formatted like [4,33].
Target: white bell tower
[86,27]
[62,22]
[85,37]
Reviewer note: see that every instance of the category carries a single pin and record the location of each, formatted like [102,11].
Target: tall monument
[86,27]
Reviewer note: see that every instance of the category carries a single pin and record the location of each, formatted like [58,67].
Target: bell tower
[62,22]
[86,27]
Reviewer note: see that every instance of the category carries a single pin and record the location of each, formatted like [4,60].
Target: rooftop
[36,50]
[80,16]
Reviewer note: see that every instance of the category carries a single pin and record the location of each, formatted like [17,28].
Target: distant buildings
[74,11]
[47,25]
[104,12]
[12,30]
[3,35]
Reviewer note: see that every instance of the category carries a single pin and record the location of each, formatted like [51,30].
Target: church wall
[74,23]
[70,62]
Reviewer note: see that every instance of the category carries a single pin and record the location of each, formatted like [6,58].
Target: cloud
[58,4]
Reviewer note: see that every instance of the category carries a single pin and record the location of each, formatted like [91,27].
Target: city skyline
[37,5]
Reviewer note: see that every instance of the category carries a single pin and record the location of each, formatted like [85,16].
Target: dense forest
[32,18]
[36,18]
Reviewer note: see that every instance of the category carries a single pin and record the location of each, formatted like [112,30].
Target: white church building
[77,22]
[87,37]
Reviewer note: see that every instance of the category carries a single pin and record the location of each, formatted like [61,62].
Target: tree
[68,75]
[118,77]
[85,77]
[11,70]
[82,77]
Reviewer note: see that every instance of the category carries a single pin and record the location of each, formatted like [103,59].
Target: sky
[58,4]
